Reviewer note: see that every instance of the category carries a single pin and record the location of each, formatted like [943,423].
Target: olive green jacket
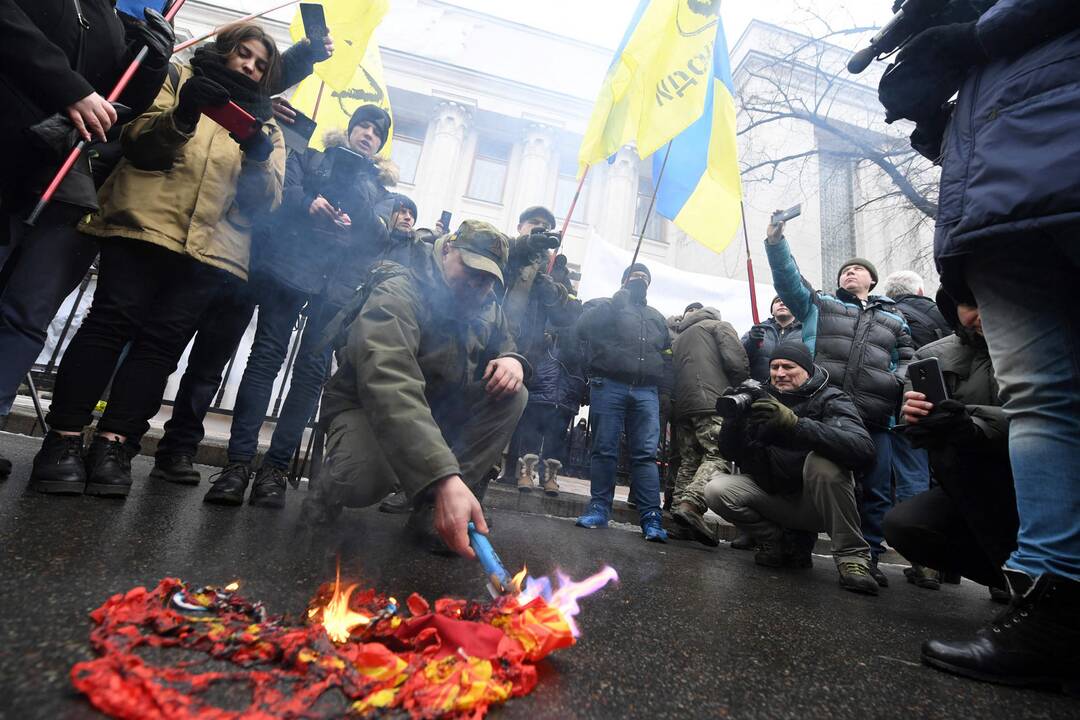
[192,193]
[408,359]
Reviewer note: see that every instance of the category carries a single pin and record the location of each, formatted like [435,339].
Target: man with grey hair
[926,323]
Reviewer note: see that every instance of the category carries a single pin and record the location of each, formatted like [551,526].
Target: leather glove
[198,92]
[949,423]
[548,291]
[257,146]
[156,34]
[757,334]
[769,418]
[928,71]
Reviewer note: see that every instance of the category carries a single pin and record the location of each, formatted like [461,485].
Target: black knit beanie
[797,353]
[636,267]
[374,115]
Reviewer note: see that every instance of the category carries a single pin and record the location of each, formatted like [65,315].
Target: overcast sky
[603,21]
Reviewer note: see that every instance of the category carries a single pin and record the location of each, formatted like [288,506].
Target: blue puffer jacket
[555,382]
[1011,154]
[865,350]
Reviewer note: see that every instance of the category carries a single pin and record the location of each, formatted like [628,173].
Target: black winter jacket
[828,424]
[924,320]
[624,340]
[302,253]
[759,354]
[708,358]
[38,77]
[865,349]
[556,382]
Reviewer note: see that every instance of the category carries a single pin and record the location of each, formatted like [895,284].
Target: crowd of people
[438,361]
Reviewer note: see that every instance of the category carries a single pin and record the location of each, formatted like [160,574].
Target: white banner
[671,289]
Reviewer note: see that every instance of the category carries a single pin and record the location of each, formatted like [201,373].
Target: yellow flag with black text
[335,107]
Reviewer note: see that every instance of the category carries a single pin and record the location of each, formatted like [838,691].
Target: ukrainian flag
[671,82]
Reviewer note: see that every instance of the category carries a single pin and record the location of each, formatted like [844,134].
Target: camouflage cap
[482,247]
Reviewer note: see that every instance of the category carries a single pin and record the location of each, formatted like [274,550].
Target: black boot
[742,540]
[228,486]
[923,577]
[269,487]
[108,468]
[875,572]
[1035,642]
[5,468]
[175,469]
[58,467]
[396,504]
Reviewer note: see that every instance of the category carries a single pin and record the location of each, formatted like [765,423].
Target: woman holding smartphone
[175,222]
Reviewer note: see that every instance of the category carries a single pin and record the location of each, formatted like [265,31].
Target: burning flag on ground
[455,658]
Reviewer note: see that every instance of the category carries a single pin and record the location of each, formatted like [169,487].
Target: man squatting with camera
[796,442]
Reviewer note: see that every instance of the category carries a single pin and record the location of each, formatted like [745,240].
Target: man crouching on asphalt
[428,391]
[796,445]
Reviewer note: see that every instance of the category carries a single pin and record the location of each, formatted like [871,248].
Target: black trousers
[147,296]
[219,333]
[543,431]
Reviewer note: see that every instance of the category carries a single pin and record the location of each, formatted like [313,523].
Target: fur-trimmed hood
[389,172]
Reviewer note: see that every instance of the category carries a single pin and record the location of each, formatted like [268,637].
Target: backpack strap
[336,334]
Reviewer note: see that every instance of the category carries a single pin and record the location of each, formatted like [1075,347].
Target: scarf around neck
[243,91]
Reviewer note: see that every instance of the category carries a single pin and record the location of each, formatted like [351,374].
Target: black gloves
[770,419]
[757,334]
[156,34]
[257,146]
[928,70]
[548,291]
[541,241]
[198,92]
[949,423]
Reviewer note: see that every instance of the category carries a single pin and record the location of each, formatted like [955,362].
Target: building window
[566,186]
[652,229]
[405,151]
[488,178]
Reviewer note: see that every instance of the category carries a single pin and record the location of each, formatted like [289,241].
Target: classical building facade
[489,115]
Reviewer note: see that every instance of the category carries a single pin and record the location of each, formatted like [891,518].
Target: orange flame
[336,617]
[517,582]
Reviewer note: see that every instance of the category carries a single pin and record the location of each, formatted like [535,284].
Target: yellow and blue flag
[671,82]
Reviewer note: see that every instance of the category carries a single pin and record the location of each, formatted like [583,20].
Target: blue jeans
[617,406]
[894,458]
[1027,301]
[279,308]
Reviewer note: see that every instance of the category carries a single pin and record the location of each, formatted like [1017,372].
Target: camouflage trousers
[699,458]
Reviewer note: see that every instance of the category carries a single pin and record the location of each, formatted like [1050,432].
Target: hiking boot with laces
[227,487]
[692,519]
[770,554]
[108,468]
[652,528]
[58,467]
[268,489]
[855,576]
[175,469]
[1035,642]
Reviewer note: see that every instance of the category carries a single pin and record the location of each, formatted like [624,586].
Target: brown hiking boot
[551,475]
[691,518]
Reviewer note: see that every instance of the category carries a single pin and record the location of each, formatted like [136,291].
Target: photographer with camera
[796,442]
[533,301]
[1007,234]
[863,343]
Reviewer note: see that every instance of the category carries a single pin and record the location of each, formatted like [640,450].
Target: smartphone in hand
[314,22]
[926,378]
[233,118]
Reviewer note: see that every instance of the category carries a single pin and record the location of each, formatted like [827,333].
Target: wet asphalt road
[690,632]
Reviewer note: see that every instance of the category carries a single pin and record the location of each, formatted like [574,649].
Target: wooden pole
[569,214]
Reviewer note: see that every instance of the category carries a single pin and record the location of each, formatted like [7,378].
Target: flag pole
[749,266]
[194,41]
[318,99]
[652,201]
[569,214]
[114,94]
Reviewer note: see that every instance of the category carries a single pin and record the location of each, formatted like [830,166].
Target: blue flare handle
[489,560]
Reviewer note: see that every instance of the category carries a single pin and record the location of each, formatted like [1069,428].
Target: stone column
[616,224]
[441,160]
[533,175]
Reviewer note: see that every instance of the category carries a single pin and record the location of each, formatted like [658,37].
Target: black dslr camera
[737,400]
